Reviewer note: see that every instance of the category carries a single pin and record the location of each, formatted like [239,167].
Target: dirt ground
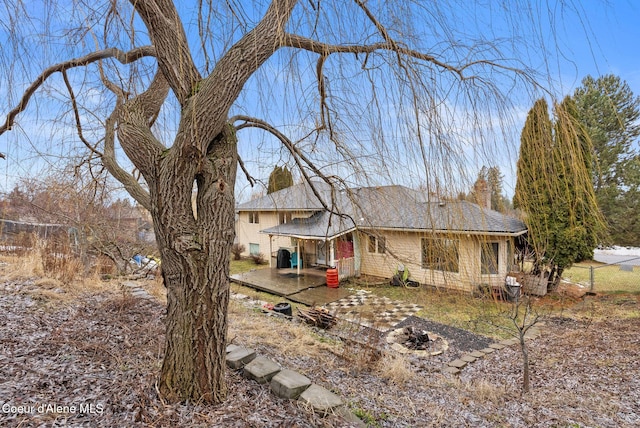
[93,360]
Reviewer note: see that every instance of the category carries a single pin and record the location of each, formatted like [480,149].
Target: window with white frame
[254,217]
[284,217]
[377,244]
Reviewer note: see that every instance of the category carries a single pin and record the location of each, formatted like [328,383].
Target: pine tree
[610,113]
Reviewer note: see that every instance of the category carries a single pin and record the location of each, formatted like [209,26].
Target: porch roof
[321,225]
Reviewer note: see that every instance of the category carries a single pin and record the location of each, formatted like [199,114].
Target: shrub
[258,258]
[237,250]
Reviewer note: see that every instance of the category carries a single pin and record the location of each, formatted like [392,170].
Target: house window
[253,217]
[377,244]
[440,254]
[284,218]
[254,249]
[489,258]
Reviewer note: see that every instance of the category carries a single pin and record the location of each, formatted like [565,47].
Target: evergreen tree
[532,192]
[610,113]
[489,178]
[555,191]
[280,178]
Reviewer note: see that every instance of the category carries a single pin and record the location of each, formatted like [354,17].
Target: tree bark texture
[195,246]
[195,249]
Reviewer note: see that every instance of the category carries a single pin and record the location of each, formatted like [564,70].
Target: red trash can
[332,278]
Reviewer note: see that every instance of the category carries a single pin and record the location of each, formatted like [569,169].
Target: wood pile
[320,317]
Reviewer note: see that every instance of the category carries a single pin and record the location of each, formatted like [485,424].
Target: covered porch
[323,240]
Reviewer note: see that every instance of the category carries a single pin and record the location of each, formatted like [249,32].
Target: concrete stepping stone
[488,350]
[468,358]
[477,354]
[289,384]
[459,364]
[238,358]
[136,290]
[497,346]
[532,333]
[349,417]
[451,370]
[320,399]
[261,369]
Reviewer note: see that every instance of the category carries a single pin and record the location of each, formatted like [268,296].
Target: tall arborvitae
[555,191]
[575,224]
[532,186]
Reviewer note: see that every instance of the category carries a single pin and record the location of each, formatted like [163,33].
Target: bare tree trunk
[195,250]
[526,379]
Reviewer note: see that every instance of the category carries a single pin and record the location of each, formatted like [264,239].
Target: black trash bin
[283,261]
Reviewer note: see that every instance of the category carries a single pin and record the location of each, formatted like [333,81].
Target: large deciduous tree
[165,88]
[611,114]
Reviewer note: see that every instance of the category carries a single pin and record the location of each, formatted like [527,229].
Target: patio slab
[281,282]
[319,296]
[309,287]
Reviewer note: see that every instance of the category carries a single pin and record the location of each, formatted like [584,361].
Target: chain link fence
[621,276]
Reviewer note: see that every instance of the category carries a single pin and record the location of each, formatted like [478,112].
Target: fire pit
[409,340]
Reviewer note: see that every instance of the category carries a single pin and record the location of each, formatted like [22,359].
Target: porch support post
[298,255]
[270,250]
[357,257]
[332,252]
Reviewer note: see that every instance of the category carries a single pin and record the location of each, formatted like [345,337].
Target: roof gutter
[446,231]
[300,236]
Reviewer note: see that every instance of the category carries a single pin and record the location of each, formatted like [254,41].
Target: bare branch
[111,164]
[216,93]
[250,179]
[76,114]
[325,49]
[121,56]
[298,156]
[135,117]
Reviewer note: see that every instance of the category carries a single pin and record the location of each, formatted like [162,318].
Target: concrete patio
[307,286]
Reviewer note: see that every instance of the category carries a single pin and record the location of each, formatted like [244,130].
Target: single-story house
[377,230]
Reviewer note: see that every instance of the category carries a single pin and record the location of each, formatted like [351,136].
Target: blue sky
[612,46]
[604,41]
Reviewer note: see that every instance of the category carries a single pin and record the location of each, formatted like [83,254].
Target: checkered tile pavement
[376,312]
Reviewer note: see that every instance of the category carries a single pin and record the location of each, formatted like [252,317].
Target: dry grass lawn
[84,341]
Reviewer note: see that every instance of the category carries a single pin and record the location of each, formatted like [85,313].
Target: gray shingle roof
[386,207]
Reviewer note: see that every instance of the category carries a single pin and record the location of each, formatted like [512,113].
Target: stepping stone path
[288,384]
[455,366]
[136,290]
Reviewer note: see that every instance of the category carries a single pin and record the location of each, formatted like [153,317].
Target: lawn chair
[294,260]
